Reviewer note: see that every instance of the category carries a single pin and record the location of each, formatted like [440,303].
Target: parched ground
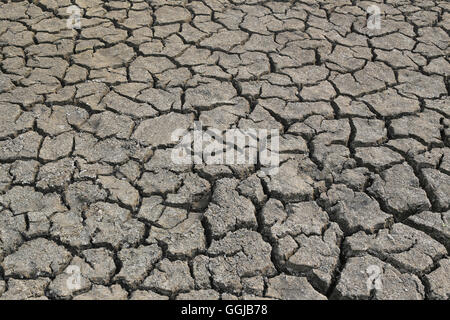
[87,181]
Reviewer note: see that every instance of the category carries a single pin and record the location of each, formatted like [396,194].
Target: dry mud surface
[87,182]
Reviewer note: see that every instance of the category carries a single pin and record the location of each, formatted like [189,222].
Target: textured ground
[86,177]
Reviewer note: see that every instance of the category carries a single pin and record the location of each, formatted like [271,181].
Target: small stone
[120,190]
[228,210]
[136,263]
[287,287]
[113,225]
[147,295]
[186,239]
[369,132]
[170,278]
[290,184]
[158,132]
[200,295]
[242,253]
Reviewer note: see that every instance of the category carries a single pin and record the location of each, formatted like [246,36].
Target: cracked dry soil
[86,177]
